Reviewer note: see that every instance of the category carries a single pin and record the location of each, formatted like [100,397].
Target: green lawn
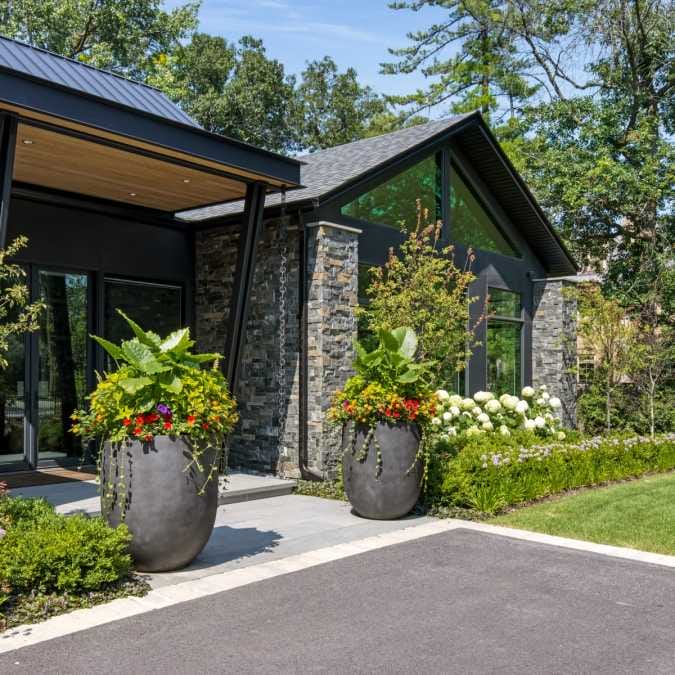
[640,514]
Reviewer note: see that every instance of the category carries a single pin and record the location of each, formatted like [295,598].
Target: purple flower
[164,410]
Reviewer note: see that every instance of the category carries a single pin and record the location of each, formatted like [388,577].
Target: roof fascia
[78,107]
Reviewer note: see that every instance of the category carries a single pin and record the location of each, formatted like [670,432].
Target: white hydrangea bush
[536,411]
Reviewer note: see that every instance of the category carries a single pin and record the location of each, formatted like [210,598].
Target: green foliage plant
[390,386]
[421,286]
[489,476]
[17,314]
[159,388]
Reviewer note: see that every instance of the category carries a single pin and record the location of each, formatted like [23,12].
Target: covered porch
[93,170]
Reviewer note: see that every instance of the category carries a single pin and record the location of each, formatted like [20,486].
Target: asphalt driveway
[457,602]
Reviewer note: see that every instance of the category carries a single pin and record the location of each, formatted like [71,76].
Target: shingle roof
[58,70]
[327,170]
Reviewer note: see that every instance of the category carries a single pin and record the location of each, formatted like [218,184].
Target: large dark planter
[394,492]
[169,520]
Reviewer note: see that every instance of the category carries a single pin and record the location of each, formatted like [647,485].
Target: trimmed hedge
[488,473]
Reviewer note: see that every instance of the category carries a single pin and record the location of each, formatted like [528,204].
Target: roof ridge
[447,121]
[27,45]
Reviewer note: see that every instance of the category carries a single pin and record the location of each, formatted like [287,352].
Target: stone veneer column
[266,413]
[554,342]
[332,297]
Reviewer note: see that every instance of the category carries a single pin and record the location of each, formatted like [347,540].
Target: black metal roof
[44,65]
[327,173]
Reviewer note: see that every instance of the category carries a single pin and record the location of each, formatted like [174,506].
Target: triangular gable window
[469,222]
[393,203]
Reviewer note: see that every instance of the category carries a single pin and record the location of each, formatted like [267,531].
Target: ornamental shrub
[489,473]
[47,552]
[21,510]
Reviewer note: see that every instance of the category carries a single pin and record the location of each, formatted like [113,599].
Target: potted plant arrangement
[383,409]
[161,418]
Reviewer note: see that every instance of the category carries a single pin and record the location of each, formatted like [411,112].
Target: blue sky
[354,32]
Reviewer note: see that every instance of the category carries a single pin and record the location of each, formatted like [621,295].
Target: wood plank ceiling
[62,162]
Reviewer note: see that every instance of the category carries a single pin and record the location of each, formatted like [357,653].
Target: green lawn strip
[639,514]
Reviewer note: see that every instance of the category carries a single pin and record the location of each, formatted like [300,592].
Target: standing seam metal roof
[62,71]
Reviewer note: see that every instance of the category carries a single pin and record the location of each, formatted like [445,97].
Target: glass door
[62,364]
[13,406]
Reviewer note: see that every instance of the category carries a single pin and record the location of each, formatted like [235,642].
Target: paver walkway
[247,533]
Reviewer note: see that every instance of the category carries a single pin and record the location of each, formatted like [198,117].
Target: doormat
[24,479]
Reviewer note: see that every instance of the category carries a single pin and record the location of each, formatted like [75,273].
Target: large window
[156,307]
[470,224]
[504,342]
[394,203]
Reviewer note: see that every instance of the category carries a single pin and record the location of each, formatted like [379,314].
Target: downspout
[303,436]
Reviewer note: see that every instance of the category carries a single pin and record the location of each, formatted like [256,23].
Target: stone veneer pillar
[554,342]
[332,297]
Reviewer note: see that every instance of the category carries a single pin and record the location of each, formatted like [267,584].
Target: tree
[608,334]
[588,89]
[121,35]
[656,337]
[232,89]
[334,107]
[17,316]
[421,286]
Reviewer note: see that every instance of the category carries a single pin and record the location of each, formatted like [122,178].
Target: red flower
[387,412]
[140,420]
[152,417]
[191,419]
[205,425]
[168,425]
[397,414]
[138,431]
[126,421]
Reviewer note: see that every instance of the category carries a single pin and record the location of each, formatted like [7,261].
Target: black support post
[7,150]
[251,231]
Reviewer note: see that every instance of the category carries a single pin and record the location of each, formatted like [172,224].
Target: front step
[243,487]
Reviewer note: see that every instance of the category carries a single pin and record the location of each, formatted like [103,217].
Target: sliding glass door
[50,372]
[63,363]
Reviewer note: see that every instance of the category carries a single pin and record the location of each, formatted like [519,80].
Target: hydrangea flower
[493,406]
[455,400]
[539,422]
[527,392]
[554,402]
[447,416]
[454,411]
[522,407]
[483,396]
[530,425]
[504,430]
[483,417]
[467,404]
[442,395]
[476,411]
[436,421]
[487,426]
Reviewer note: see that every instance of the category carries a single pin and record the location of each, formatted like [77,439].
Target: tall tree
[588,89]
[121,35]
[232,89]
[334,108]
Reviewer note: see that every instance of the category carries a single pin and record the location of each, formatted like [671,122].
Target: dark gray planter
[169,520]
[396,490]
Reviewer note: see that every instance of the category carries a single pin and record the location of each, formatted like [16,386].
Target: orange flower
[168,425]
[191,419]
[126,421]
[140,420]
[138,431]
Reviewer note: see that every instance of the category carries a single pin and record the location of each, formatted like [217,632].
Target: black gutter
[303,404]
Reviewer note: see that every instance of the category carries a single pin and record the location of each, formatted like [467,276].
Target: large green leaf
[177,342]
[408,376]
[203,358]
[132,385]
[172,383]
[112,349]
[389,340]
[141,357]
[408,343]
[148,338]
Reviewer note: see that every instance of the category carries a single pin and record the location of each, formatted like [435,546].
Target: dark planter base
[396,490]
[169,520]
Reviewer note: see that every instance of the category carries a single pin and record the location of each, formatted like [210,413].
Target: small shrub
[17,510]
[44,551]
[490,474]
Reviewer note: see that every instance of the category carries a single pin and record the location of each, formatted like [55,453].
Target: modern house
[127,203]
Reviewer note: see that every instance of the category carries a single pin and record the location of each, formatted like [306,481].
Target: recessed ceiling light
[186,180]
[132,194]
[27,141]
